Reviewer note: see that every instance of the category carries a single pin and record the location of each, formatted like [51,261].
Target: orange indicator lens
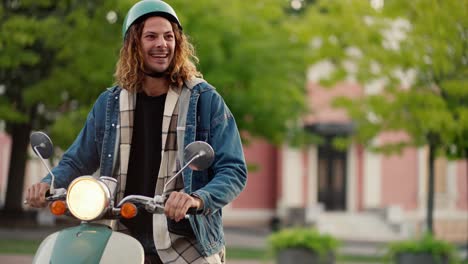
[128,210]
[58,207]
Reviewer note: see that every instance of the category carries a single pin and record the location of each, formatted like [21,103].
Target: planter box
[303,256]
[420,258]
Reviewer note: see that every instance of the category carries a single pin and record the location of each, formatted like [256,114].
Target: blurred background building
[354,194]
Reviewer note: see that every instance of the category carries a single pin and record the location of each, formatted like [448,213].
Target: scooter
[91,200]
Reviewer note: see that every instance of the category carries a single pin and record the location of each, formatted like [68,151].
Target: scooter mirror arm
[52,190]
[181,170]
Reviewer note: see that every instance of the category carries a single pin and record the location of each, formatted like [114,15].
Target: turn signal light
[58,207]
[128,210]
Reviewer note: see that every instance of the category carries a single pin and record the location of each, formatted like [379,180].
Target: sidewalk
[17,259]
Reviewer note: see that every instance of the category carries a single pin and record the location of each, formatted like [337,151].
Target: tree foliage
[58,56]
[251,53]
[411,57]
[417,52]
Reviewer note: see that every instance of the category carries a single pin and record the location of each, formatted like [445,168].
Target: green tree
[57,56]
[251,53]
[418,51]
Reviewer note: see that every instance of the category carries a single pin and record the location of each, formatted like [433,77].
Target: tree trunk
[16,173]
[430,191]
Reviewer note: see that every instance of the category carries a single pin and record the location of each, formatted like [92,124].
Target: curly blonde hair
[129,73]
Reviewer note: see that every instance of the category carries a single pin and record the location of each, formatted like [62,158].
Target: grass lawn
[247,253]
[26,247]
[29,247]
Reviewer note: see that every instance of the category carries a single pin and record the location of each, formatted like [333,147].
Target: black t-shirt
[145,156]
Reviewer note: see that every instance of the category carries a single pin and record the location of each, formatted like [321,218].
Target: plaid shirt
[171,248]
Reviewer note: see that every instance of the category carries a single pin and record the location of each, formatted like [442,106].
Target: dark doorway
[331,164]
[331,177]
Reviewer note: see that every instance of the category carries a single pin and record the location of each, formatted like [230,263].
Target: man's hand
[178,204]
[36,195]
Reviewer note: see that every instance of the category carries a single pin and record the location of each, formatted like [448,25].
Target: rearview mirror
[199,155]
[41,144]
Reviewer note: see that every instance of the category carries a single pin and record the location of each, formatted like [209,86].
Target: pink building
[5,146]
[353,194]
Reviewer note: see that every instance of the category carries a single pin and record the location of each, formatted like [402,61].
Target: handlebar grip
[47,195]
[193,211]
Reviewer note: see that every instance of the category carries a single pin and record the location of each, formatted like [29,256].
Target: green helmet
[147,8]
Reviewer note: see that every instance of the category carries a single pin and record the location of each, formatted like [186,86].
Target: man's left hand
[178,204]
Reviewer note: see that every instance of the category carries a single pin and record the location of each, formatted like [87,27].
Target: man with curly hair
[137,129]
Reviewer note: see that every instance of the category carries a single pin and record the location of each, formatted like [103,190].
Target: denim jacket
[208,119]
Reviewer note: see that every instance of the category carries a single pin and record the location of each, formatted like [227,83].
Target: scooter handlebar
[152,205]
[193,211]
[59,194]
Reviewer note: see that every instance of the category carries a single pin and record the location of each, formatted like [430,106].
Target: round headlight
[87,198]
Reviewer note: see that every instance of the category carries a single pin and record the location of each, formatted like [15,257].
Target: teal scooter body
[89,243]
[97,242]
[81,244]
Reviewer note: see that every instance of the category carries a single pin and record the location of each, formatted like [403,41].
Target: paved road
[16,259]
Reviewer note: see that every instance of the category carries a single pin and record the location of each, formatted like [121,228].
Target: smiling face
[158,44]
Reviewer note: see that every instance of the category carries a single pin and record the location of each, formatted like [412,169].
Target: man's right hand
[36,195]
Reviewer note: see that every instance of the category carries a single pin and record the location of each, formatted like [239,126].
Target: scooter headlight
[87,198]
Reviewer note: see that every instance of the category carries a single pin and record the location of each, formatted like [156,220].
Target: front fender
[89,243]
[44,252]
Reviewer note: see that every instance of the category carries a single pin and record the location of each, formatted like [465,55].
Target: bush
[306,238]
[427,244]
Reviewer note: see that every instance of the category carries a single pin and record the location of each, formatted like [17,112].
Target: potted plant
[427,250]
[303,245]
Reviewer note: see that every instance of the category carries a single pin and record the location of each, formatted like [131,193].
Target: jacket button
[109,155]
